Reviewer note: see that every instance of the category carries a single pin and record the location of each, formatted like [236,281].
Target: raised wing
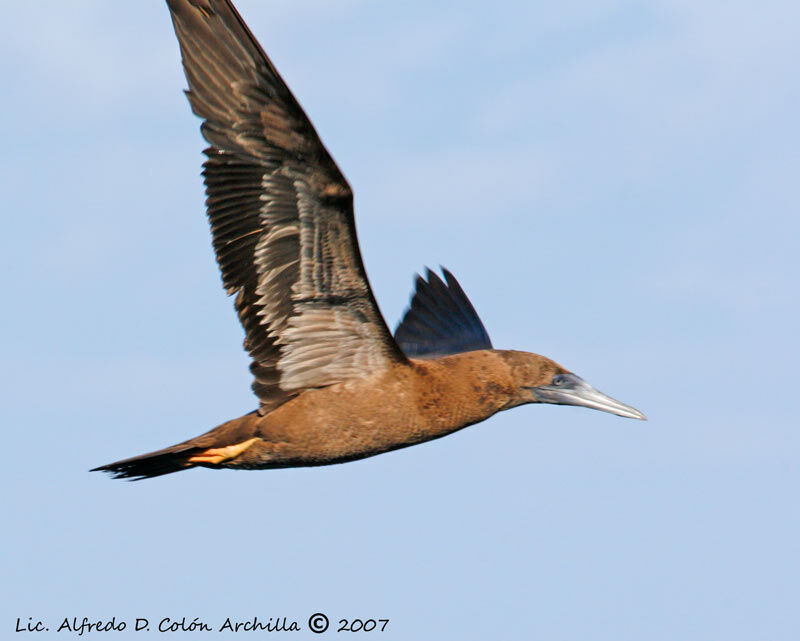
[440,321]
[281,215]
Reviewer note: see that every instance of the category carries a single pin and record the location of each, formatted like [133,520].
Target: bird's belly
[360,418]
[329,427]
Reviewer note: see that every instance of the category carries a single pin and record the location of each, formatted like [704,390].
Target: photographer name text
[317,622]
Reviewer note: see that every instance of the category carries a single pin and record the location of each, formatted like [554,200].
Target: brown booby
[333,384]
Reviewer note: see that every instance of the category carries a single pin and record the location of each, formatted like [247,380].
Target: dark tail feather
[147,466]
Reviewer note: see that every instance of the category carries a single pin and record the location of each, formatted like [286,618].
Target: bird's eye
[559,379]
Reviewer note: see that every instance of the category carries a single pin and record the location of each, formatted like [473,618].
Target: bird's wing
[440,321]
[281,215]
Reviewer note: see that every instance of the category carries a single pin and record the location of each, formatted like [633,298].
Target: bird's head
[540,380]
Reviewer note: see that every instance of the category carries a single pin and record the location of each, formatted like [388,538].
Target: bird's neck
[459,390]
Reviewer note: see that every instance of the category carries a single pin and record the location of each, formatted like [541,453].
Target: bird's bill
[578,392]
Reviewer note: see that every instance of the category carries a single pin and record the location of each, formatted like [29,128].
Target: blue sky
[615,186]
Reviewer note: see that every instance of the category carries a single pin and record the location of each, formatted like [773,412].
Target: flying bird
[333,383]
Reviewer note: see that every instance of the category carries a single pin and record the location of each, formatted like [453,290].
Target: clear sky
[615,184]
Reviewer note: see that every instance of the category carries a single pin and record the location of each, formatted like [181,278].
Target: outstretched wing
[281,215]
[440,321]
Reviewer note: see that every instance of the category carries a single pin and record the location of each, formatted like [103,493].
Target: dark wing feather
[281,215]
[440,321]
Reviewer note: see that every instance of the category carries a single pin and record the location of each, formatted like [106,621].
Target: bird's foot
[217,455]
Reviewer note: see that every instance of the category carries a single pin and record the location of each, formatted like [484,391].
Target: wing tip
[440,319]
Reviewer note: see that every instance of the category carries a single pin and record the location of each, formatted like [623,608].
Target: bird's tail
[216,448]
[147,466]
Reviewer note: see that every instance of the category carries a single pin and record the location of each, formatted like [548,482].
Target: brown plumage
[332,382]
